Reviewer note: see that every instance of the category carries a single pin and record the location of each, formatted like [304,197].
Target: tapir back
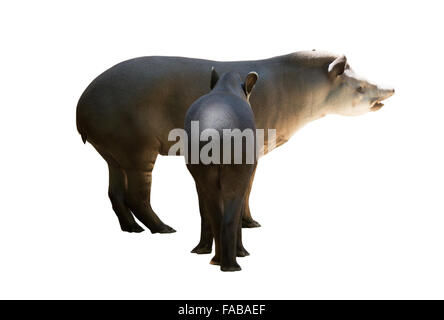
[222,114]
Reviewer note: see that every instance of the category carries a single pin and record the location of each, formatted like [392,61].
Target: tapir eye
[360,89]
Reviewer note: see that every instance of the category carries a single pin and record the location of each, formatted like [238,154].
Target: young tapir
[127,112]
[225,115]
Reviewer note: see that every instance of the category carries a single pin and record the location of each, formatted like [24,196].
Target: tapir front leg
[247,219]
[241,251]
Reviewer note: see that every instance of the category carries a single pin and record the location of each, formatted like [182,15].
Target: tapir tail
[82,134]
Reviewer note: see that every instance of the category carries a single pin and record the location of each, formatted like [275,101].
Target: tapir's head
[232,81]
[350,94]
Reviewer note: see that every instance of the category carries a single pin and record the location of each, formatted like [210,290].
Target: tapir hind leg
[116,193]
[229,233]
[206,235]
[234,183]
[137,198]
[207,184]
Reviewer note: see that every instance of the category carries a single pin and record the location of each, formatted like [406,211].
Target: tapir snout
[386,93]
[382,94]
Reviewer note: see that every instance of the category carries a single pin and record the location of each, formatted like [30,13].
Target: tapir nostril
[392,92]
[386,93]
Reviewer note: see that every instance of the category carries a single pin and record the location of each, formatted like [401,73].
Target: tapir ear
[337,67]
[214,78]
[250,81]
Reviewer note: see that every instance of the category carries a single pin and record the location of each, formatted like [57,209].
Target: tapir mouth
[385,94]
[376,106]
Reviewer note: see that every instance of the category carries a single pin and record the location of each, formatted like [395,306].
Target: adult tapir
[221,181]
[127,112]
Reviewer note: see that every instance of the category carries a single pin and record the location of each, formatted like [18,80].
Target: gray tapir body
[222,181]
[127,112]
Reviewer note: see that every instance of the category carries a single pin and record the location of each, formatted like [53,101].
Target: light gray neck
[295,99]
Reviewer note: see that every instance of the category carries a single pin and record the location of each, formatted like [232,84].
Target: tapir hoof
[242,253]
[134,228]
[163,229]
[215,261]
[232,268]
[250,224]
[201,249]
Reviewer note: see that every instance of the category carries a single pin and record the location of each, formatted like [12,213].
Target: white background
[350,207]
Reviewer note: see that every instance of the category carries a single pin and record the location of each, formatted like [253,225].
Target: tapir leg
[229,233]
[137,198]
[213,203]
[206,235]
[116,193]
[247,220]
[234,183]
[208,187]
[241,251]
